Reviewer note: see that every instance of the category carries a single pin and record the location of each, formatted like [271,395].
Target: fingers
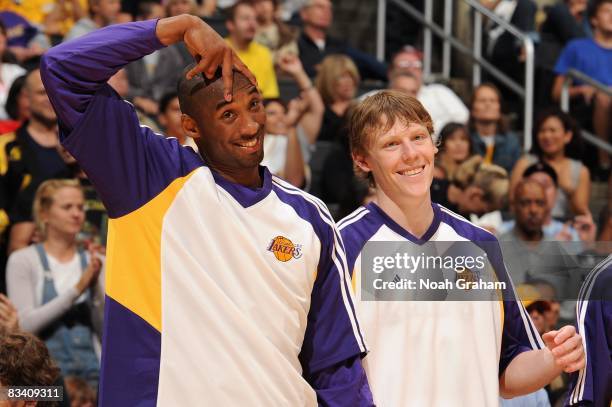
[577,365]
[564,334]
[200,67]
[227,75]
[242,68]
[549,338]
[567,346]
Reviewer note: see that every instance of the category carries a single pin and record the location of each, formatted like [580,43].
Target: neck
[248,177]
[60,245]
[314,33]
[414,215]
[240,44]
[557,157]
[528,235]
[43,133]
[603,38]
[486,128]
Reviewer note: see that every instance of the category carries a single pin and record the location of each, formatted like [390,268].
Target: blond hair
[377,114]
[333,67]
[490,178]
[43,200]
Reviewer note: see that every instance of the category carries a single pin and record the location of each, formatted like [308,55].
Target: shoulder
[260,50]
[580,45]
[22,257]
[464,227]
[356,230]
[597,282]
[308,207]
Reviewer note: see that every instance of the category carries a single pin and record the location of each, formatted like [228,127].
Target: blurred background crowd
[313,60]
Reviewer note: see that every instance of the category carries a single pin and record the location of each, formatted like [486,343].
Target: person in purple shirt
[592,385]
[216,314]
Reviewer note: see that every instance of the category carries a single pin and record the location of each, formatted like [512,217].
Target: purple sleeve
[343,385]
[518,333]
[75,70]
[593,383]
[127,163]
[333,334]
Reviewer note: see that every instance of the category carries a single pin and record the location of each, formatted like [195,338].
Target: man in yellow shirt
[242,24]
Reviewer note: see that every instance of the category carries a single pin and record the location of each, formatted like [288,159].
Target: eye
[227,115]
[255,103]
[419,137]
[390,144]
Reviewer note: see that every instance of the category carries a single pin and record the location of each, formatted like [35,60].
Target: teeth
[412,172]
[251,143]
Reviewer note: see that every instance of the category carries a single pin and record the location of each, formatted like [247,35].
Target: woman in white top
[56,287]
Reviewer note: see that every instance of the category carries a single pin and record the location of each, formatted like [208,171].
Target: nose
[409,152]
[250,127]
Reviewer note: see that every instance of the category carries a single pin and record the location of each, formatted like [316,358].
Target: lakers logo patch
[284,249]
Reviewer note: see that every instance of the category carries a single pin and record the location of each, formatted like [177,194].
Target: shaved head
[194,92]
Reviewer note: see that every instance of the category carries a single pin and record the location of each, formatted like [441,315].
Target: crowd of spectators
[53,224]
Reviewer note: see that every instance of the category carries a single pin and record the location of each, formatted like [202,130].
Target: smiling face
[275,118]
[401,161]
[553,137]
[457,146]
[228,135]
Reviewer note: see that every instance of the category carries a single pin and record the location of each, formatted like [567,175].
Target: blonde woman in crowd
[56,286]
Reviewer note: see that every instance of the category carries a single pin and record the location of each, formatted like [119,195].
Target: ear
[189,126]
[568,136]
[361,162]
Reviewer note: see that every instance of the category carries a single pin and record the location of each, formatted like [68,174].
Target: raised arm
[75,70]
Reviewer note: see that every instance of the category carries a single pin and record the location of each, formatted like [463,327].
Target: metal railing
[430,27]
[565,103]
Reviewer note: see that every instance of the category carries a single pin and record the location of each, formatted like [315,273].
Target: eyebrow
[224,102]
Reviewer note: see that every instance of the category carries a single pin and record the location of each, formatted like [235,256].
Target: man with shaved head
[225,285]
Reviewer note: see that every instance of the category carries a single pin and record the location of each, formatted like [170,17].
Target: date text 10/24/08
[32,393]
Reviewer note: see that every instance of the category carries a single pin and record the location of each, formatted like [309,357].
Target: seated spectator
[565,20]
[337,83]
[81,394]
[580,228]
[8,72]
[593,57]
[157,73]
[455,147]
[58,288]
[273,33]
[557,143]
[21,33]
[526,254]
[478,190]
[490,138]
[9,320]
[282,152]
[402,80]
[33,157]
[440,101]
[315,44]
[170,118]
[25,361]
[101,14]
[331,164]
[242,25]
